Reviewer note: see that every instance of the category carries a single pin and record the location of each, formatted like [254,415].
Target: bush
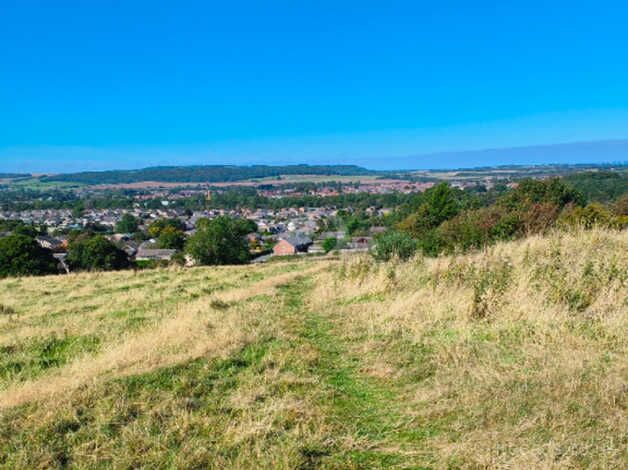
[329,244]
[587,217]
[531,191]
[393,244]
[489,285]
[96,253]
[21,255]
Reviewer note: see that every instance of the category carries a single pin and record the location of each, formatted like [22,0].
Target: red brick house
[291,245]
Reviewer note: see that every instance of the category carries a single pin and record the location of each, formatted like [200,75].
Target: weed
[489,285]
[6,310]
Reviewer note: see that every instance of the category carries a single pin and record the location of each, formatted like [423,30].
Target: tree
[171,238]
[219,241]
[531,191]
[21,255]
[127,224]
[155,229]
[28,230]
[96,253]
[393,244]
[329,244]
[439,204]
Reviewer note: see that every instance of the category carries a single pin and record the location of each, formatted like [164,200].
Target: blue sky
[118,84]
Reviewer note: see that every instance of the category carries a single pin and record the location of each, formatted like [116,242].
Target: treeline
[443,220]
[14,175]
[250,198]
[221,240]
[41,199]
[600,186]
[204,174]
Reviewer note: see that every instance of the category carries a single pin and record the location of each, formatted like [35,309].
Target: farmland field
[514,357]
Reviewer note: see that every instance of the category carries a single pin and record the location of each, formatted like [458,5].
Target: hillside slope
[514,358]
[203,174]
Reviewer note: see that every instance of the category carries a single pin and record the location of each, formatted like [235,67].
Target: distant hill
[204,174]
[607,151]
[14,175]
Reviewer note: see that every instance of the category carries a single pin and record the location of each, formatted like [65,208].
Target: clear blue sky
[117,84]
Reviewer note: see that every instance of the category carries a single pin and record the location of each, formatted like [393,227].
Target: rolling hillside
[510,358]
[204,173]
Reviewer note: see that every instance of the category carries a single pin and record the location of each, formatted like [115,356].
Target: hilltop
[204,174]
[510,357]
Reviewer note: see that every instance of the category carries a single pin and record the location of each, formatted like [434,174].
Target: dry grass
[516,354]
[514,357]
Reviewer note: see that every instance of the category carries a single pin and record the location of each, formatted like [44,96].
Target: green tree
[96,253]
[28,230]
[155,229]
[171,238]
[127,224]
[393,244]
[439,204]
[531,191]
[21,255]
[219,241]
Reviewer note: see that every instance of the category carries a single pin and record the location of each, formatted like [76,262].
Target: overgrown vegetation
[445,220]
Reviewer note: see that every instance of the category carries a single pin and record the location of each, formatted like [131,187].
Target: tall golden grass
[523,351]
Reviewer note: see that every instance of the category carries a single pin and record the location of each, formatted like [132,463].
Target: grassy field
[510,358]
[37,184]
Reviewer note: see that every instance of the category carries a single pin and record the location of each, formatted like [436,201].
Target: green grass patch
[32,358]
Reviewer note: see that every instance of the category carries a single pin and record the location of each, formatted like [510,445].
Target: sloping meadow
[513,357]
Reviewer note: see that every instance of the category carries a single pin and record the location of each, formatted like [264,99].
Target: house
[49,243]
[292,244]
[359,243]
[376,230]
[148,254]
[316,248]
[339,235]
[130,248]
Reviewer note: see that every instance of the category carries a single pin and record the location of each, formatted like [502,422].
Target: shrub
[6,310]
[394,244]
[489,286]
[539,217]
[473,229]
[531,191]
[587,217]
[329,244]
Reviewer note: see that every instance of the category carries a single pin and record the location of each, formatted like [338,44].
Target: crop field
[513,357]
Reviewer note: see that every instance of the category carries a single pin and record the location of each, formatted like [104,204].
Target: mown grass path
[369,427]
